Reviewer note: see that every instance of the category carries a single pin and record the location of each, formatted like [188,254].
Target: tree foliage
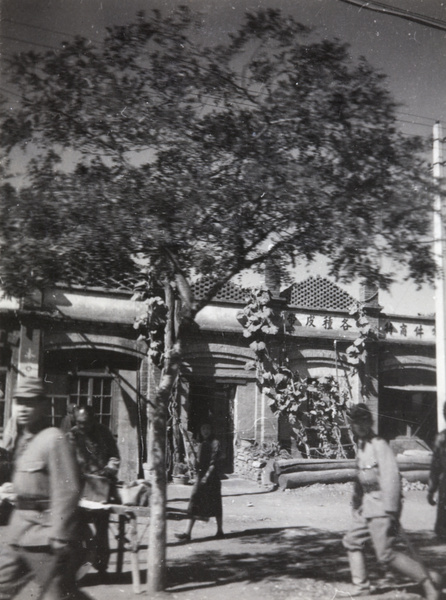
[203,160]
[151,150]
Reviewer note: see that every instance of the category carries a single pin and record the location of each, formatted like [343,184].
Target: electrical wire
[401,112]
[239,104]
[47,29]
[402,13]
[14,39]
[371,5]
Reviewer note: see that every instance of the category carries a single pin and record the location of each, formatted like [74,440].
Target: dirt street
[278,545]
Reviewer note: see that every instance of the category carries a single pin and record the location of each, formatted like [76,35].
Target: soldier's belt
[370,487]
[30,503]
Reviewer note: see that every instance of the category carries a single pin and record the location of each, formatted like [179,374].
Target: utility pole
[440,284]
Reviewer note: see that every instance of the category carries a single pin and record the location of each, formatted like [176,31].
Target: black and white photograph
[222,299]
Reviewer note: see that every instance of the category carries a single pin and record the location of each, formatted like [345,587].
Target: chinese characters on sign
[319,321]
[310,321]
[421,331]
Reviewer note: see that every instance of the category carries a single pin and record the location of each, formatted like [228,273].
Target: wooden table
[127,529]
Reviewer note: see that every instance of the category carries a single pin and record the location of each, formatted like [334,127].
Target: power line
[415,123]
[201,103]
[239,104]
[37,27]
[401,112]
[2,89]
[402,13]
[14,39]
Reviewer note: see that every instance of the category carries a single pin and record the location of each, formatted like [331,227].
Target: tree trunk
[176,330]
[156,558]
[156,555]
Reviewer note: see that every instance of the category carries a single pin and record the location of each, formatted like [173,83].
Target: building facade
[83,343]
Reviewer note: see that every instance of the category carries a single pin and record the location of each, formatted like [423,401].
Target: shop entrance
[214,403]
[408,405]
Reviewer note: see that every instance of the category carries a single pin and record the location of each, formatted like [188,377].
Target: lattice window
[93,390]
[230,292]
[77,277]
[58,408]
[318,292]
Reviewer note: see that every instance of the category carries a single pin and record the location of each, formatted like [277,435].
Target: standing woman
[205,500]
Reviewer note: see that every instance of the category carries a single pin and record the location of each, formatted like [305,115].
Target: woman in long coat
[205,500]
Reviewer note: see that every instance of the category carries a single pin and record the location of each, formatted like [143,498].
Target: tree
[204,161]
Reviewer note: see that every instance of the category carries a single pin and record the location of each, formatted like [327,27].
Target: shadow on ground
[290,553]
[275,554]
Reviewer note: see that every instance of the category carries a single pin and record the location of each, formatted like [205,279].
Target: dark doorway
[408,404]
[214,403]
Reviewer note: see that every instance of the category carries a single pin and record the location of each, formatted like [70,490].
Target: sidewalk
[278,546]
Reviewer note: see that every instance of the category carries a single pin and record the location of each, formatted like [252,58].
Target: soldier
[376,510]
[42,531]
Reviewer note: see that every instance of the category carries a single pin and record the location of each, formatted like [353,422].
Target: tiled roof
[230,292]
[77,277]
[314,292]
[317,292]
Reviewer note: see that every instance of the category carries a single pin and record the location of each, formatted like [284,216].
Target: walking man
[41,536]
[376,510]
[97,454]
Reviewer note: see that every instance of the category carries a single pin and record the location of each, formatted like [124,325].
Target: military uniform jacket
[437,477]
[45,471]
[377,488]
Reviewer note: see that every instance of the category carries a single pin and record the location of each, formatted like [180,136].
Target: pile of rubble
[251,458]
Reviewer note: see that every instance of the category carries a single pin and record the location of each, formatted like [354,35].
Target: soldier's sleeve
[358,495]
[436,469]
[65,489]
[389,476]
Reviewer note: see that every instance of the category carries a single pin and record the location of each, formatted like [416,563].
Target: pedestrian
[205,500]
[377,503]
[437,482]
[69,420]
[97,454]
[42,533]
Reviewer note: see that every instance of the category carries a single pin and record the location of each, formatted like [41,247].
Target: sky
[412,55]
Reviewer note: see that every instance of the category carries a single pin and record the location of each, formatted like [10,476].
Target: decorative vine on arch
[314,406]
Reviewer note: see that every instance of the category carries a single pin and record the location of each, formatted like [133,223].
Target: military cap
[30,387]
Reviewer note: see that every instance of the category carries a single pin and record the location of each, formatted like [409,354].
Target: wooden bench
[127,530]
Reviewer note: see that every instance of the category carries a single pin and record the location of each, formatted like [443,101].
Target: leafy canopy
[204,160]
